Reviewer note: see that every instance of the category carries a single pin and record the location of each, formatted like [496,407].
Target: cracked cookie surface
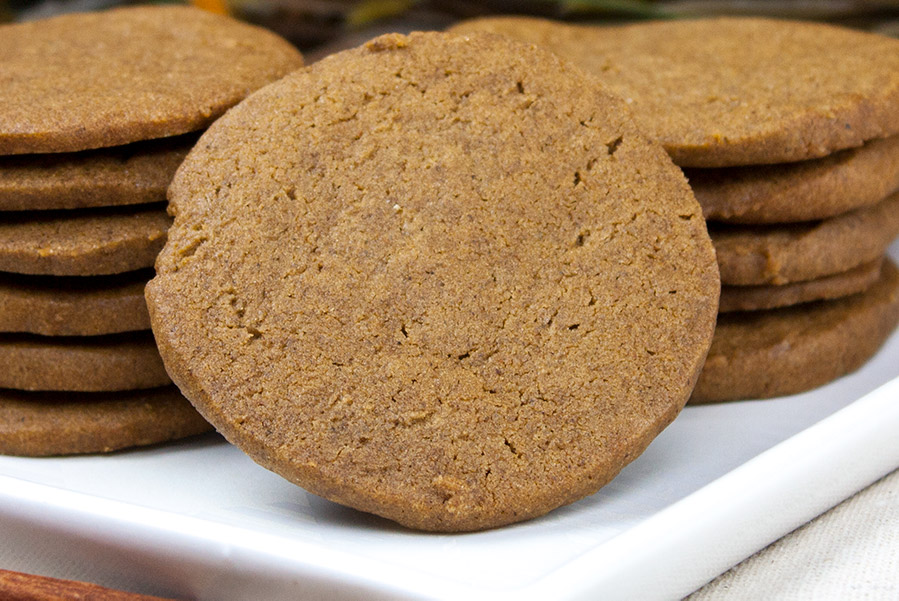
[442,279]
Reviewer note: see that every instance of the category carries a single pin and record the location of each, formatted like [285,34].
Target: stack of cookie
[96,113]
[789,133]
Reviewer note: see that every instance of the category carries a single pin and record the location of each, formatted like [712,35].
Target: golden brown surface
[779,254]
[124,175]
[92,80]
[735,91]
[90,363]
[753,298]
[83,242]
[74,306]
[472,293]
[54,423]
[764,354]
[802,191]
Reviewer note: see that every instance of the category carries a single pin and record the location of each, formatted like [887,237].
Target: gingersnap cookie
[474,291]
[90,363]
[91,80]
[74,306]
[779,254]
[51,423]
[764,354]
[734,91]
[754,298]
[85,242]
[138,173]
[803,191]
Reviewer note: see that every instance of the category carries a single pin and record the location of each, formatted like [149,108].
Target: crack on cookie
[612,146]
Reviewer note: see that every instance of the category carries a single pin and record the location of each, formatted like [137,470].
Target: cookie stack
[96,113]
[789,135]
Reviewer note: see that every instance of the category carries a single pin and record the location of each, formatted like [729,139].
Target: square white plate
[200,520]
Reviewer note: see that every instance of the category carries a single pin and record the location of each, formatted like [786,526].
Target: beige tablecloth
[849,553]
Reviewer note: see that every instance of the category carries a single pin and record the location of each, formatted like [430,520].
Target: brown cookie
[92,80]
[84,242]
[74,306]
[735,91]
[473,293]
[91,363]
[753,298]
[803,191]
[52,423]
[123,175]
[778,254]
[764,354]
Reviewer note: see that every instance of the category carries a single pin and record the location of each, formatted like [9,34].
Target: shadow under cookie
[138,173]
[90,363]
[754,298]
[751,255]
[97,241]
[801,191]
[74,305]
[764,354]
[54,423]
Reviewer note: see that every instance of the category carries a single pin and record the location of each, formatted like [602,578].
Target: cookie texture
[174,69]
[86,242]
[47,423]
[91,363]
[779,254]
[753,298]
[74,306]
[123,175]
[734,91]
[766,354]
[473,291]
[802,191]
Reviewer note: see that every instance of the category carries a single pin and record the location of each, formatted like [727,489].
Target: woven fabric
[849,553]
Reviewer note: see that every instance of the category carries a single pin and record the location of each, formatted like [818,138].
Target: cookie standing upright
[97,110]
[473,293]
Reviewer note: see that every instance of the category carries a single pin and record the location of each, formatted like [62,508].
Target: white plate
[199,520]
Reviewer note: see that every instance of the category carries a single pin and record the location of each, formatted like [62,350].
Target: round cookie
[39,424]
[780,254]
[84,242]
[734,91]
[803,191]
[765,354]
[123,175]
[473,293]
[74,306]
[92,80]
[754,298]
[92,363]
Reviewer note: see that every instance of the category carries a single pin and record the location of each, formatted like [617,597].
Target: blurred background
[320,27]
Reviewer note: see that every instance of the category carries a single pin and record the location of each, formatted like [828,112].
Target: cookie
[473,293]
[753,298]
[91,80]
[84,242]
[74,306]
[803,191]
[734,91]
[779,254]
[764,354]
[47,423]
[123,175]
[91,363]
